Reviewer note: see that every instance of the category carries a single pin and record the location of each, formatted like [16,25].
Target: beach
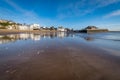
[59,56]
[5,31]
[59,39]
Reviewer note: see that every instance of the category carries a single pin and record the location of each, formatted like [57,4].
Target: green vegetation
[5,23]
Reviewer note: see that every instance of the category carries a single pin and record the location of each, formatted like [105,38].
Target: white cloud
[112,14]
[7,14]
[25,16]
[14,5]
[82,7]
[25,13]
[111,26]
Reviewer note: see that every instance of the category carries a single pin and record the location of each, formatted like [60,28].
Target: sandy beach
[57,59]
[4,31]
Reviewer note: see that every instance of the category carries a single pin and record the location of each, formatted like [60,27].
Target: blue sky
[75,14]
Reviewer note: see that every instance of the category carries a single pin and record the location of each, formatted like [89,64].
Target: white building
[24,27]
[34,26]
[61,29]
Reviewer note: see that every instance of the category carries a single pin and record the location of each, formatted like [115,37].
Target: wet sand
[60,60]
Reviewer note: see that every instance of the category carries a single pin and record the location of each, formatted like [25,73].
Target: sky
[75,14]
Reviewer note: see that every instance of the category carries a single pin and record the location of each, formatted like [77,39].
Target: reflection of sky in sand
[112,37]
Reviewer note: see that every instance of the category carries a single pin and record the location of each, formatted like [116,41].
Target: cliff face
[91,27]
[5,24]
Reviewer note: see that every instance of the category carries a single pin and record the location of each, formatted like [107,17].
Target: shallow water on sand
[60,56]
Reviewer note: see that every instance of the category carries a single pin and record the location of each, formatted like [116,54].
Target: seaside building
[61,29]
[24,27]
[34,27]
[10,25]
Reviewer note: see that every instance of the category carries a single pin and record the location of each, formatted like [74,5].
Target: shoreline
[4,31]
[24,31]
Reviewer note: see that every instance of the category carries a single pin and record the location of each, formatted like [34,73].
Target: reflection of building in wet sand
[6,39]
[25,36]
[35,37]
[29,36]
[48,35]
[61,34]
[14,37]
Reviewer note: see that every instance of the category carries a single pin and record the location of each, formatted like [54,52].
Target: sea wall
[94,31]
[97,30]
